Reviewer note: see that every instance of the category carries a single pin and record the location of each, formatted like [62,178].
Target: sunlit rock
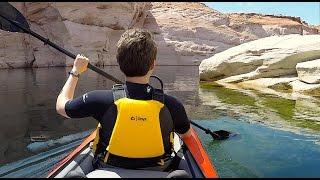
[267,57]
[309,72]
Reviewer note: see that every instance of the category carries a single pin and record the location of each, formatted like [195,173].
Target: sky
[307,11]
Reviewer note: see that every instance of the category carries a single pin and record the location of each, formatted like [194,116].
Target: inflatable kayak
[195,163]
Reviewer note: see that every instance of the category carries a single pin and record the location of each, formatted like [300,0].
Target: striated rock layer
[88,28]
[186,32]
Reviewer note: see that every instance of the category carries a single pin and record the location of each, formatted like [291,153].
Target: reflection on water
[28,96]
[28,114]
[299,116]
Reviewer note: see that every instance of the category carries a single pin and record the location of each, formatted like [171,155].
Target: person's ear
[153,64]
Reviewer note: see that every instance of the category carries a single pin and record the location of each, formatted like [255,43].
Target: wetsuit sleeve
[93,103]
[178,113]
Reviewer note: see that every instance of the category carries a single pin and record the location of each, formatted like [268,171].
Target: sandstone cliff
[186,32]
[88,28]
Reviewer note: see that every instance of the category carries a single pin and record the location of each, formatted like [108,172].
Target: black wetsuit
[96,104]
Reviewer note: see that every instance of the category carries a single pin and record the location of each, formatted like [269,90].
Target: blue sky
[307,11]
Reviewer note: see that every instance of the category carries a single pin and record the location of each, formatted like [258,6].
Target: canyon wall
[186,32]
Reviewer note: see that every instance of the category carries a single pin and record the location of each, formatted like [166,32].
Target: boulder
[309,72]
[267,57]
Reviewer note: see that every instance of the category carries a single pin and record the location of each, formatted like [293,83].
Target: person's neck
[138,79]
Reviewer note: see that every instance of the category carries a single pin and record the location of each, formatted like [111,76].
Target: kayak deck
[79,164]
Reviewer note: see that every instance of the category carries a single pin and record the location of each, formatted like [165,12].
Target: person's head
[136,52]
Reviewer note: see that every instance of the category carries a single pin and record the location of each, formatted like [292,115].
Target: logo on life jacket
[138,118]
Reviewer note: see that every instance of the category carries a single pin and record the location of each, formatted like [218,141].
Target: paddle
[216,135]
[13,21]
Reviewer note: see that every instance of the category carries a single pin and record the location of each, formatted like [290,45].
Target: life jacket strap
[120,91]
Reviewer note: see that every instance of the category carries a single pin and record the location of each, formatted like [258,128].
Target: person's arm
[179,115]
[79,66]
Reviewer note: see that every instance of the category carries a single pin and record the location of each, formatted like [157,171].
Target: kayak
[195,163]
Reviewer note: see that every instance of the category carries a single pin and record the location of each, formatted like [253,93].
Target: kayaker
[126,144]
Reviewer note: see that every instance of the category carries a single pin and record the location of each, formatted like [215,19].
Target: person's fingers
[83,57]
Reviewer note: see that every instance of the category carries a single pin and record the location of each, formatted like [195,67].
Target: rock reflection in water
[299,115]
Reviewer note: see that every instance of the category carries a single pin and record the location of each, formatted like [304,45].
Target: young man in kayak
[133,131]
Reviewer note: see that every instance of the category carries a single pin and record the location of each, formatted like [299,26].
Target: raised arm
[79,66]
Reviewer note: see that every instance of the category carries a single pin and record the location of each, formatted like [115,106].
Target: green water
[277,137]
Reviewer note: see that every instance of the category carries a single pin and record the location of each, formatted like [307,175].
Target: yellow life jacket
[137,132]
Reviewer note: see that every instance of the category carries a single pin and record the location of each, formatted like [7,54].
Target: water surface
[278,137]
[260,151]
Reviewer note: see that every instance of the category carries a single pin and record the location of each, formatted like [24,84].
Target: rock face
[185,32]
[14,47]
[94,28]
[259,25]
[189,32]
[280,62]
[88,28]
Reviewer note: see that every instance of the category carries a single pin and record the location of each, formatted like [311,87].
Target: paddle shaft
[68,53]
[207,131]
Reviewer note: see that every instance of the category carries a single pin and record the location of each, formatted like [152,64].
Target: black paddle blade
[7,11]
[221,135]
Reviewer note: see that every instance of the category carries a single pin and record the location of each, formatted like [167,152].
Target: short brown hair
[136,52]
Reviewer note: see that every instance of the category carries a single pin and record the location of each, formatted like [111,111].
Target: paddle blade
[221,134]
[7,11]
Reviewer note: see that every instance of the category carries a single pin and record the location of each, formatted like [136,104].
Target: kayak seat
[179,174]
[130,173]
[75,174]
[126,173]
